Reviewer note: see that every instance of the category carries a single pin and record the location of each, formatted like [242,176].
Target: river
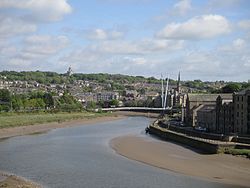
[81,157]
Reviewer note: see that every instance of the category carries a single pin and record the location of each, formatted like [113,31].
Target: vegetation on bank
[243,152]
[23,119]
[37,101]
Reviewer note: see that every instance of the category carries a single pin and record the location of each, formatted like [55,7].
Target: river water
[81,157]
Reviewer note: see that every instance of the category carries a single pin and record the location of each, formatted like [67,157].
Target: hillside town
[226,113]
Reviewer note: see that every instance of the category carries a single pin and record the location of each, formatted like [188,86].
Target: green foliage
[195,84]
[245,152]
[245,85]
[23,119]
[48,100]
[17,103]
[37,101]
[87,89]
[91,105]
[130,103]
[55,78]
[5,100]
[230,88]
[142,91]
[114,102]
[68,103]
[117,86]
[5,95]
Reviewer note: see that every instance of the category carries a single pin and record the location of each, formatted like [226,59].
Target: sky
[206,40]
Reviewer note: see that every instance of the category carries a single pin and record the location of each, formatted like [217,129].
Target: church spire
[178,82]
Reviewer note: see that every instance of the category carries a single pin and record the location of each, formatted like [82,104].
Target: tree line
[56,78]
[37,101]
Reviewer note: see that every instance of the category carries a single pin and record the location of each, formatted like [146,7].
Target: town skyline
[206,40]
[159,77]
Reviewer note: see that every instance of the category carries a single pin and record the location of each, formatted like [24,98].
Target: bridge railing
[136,108]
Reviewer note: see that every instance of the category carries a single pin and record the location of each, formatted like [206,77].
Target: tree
[48,100]
[91,105]
[5,100]
[230,88]
[17,102]
[5,95]
[114,102]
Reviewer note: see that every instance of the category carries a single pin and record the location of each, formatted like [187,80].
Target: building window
[242,106]
[238,98]
[242,98]
[237,114]
[238,106]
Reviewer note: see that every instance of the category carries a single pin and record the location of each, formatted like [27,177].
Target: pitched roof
[207,108]
[208,97]
[243,92]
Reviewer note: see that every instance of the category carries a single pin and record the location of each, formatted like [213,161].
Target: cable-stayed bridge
[139,109]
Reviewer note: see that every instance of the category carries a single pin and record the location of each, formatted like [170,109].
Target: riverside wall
[207,147]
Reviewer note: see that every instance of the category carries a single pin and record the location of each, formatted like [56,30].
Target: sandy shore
[12,181]
[219,168]
[39,128]
[33,129]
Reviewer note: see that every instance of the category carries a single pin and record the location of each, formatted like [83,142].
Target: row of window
[238,98]
[238,106]
[238,114]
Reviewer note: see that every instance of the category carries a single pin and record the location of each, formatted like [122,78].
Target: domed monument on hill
[69,72]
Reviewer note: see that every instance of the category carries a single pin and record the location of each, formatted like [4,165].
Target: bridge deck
[136,109]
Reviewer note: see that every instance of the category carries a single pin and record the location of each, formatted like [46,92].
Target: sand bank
[219,168]
[12,181]
[33,129]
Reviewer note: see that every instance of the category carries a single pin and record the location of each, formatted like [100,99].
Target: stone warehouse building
[224,114]
[206,117]
[241,105]
[220,113]
[196,102]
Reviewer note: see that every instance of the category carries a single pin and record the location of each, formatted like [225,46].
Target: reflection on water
[81,157]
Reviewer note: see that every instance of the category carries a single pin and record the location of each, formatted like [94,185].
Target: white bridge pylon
[164,95]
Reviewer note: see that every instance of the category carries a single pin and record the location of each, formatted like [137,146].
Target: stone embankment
[211,146]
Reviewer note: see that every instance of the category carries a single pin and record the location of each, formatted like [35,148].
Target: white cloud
[239,43]
[14,26]
[182,7]
[44,44]
[156,45]
[137,60]
[33,52]
[200,27]
[244,24]
[237,46]
[101,34]
[42,10]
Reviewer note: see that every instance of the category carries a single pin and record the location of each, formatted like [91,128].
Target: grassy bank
[23,119]
[243,152]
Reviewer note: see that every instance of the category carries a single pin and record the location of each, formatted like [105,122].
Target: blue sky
[207,40]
